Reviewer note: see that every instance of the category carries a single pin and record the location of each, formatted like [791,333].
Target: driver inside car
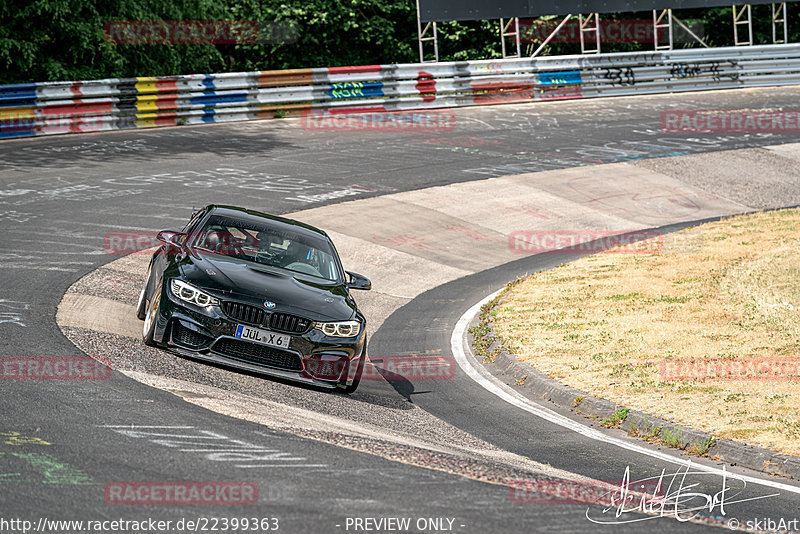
[265,242]
[296,253]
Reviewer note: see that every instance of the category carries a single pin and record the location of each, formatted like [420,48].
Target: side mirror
[173,240]
[358,282]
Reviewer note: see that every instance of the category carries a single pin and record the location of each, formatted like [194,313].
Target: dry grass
[725,290]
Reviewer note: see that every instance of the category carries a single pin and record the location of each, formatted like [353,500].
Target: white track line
[491,384]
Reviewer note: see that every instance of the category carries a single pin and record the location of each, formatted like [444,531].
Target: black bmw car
[256,292]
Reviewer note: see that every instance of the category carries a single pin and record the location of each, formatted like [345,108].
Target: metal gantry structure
[779,18]
[510,28]
[427,34]
[589,26]
[664,21]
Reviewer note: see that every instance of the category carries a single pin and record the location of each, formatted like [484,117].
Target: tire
[151,318]
[141,305]
[357,379]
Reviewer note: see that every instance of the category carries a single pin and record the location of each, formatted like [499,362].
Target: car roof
[246,214]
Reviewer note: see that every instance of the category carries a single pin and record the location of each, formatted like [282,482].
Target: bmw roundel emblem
[269,304]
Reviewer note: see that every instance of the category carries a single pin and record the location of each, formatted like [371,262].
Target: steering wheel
[236,247]
[267,258]
[304,268]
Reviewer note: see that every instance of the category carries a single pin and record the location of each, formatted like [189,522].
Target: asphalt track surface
[61,195]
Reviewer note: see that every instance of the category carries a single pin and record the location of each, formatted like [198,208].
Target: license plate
[264,337]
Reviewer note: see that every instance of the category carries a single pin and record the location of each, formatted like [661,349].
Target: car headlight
[339,329]
[189,293]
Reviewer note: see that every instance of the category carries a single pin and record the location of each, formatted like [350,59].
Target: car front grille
[258,354]
[291,324]
[279,322]
[244,313]
[187,338]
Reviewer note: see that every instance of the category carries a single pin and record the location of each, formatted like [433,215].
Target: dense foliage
[65,40]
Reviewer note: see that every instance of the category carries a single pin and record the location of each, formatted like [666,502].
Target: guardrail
[96,105]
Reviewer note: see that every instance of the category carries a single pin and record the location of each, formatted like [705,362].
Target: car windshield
[272,244]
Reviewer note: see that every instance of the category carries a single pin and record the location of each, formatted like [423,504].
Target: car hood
[227,277]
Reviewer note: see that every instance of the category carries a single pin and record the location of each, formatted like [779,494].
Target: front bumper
[208,334]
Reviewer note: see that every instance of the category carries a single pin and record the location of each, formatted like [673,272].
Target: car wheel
[141,306]
[357,379]
[150,320]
